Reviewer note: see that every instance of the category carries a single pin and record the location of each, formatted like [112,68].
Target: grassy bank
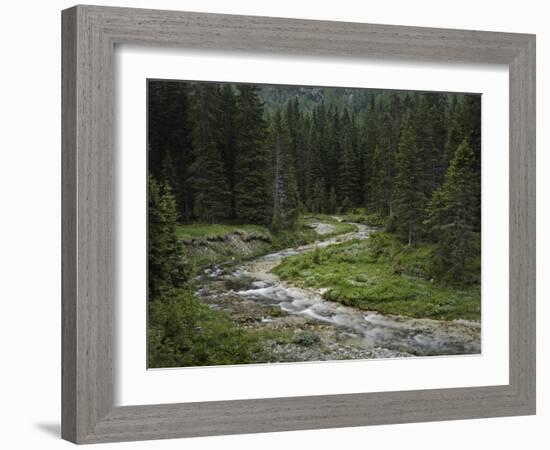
[208,244]
[381,274]
[338,225]
[184,332]
[360,215]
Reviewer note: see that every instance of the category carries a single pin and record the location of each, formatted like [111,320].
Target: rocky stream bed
[322,330]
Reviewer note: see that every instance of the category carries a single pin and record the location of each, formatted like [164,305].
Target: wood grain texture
[68,226]
[89,36]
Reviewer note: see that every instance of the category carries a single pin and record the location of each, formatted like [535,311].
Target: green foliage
[184,332]
[229,128]
[373,219]
[285,192]
[166,267]
[452,219]
[410,183]
[208,244]
[382,274]
[170,128]
[346,205]
[207,174]
[212,231]
[332,202]
[252,186]
[348,186]
[210,143]
[318,201]
[306,338]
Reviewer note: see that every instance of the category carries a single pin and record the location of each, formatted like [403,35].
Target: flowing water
[249,292]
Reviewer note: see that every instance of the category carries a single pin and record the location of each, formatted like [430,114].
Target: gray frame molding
[89,36]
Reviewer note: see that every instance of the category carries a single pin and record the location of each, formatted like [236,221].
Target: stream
[257,298]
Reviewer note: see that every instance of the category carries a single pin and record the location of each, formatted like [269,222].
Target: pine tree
[348,185]
[332,202]
[346,206]
[314,167]
[318,197]
[252,190]
[451,217]
[437,128]
[410,184]
[285,192]
[208,177]
[454,138]
[389,141]
[333,142]
[169,136]
[228,139]
[166,268]
[376,184]
[369,142]
[296,133]
[469,116]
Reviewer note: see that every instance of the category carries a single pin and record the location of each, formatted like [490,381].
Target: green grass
[183,332]
[213,236]
[381,274]
[202,230]
[339,227]
[359,215]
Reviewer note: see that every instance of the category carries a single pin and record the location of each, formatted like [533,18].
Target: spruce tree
[296,129]
[285,192]
[314,168]
[317,203]
[169,135]
[212,196]
[332,202]
[409,184]
[252,196]
[228,130]
[166,268]
[369,142]
[377,173]
[452,217]
[348,166]
[454,138]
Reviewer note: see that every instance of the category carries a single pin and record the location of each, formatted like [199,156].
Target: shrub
[182,332]
[306,338]
[317,256]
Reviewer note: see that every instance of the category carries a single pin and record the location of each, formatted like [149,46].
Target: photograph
[294,224]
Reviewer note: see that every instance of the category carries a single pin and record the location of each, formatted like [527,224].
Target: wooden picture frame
[89,37]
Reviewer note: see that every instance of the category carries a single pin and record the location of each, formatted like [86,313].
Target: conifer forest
[294,223]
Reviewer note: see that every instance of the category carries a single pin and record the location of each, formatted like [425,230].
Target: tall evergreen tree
[369,142]
[252,163]
[452,216]
[285,192]
[410,197]
[296,134]
[314,168]
[348,167]
[170,127]
[317,202]
[332,202]
[228,139]
[208,176]
[166,268]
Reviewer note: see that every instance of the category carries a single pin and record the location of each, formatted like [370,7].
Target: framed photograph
[278,224]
